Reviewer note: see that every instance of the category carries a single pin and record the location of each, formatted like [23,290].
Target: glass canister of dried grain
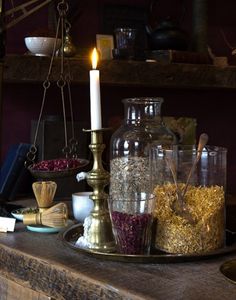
[189,220]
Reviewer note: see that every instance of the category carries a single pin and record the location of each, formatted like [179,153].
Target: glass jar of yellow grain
[190,205]
[142,125]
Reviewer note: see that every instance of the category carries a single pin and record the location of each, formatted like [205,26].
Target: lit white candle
[95,97]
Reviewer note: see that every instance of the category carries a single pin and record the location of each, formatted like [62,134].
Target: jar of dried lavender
[142,126]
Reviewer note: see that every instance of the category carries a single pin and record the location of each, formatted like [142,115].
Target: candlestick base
[97,227]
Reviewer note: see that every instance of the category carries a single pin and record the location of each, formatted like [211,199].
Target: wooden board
[42,263]
[123,73]
[10,290]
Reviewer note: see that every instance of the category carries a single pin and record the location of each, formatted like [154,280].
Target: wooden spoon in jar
[203,139]
[179,205]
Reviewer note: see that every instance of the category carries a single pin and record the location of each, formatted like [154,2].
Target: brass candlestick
[98,233]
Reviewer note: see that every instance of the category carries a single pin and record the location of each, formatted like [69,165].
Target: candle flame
[94,58]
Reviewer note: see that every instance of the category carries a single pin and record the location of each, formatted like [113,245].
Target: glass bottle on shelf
[142,126]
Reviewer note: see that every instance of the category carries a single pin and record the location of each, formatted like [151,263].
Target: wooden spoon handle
[203,139]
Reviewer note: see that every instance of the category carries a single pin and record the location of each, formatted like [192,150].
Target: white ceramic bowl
[42,46]
[82,205]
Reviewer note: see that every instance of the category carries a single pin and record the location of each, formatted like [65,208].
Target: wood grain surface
[41,262]
[10,290]
[123,73]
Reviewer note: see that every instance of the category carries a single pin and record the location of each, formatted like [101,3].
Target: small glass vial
[129,148]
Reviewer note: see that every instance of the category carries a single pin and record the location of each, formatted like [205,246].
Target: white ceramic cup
[82,205]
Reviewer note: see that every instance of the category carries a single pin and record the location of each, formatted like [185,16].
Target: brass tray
[70,236]
[228,269]
[38,174]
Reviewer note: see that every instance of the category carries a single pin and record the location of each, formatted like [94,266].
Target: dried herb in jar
[175,234]
[132,232]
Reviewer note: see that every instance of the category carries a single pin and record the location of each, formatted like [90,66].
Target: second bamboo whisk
[55,216]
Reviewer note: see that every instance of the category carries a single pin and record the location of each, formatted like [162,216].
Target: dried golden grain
[175,234]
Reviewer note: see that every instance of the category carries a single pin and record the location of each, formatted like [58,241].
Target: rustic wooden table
[48,269]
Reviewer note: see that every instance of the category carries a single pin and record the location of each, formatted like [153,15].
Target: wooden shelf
[28,68]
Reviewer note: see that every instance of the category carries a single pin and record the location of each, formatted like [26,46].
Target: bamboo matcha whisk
[44,192]
[55,216]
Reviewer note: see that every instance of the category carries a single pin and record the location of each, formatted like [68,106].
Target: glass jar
[129,148]
[190,198]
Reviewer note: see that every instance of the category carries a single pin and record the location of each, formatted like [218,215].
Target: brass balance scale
[101,237]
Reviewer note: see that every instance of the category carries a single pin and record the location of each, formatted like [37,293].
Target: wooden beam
[123,73]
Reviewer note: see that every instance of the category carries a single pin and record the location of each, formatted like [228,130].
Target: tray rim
[152,258]
[225,269]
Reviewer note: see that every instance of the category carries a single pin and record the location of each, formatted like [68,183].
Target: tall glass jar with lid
[142,126]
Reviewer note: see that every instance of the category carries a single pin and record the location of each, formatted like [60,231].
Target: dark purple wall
[213,109]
